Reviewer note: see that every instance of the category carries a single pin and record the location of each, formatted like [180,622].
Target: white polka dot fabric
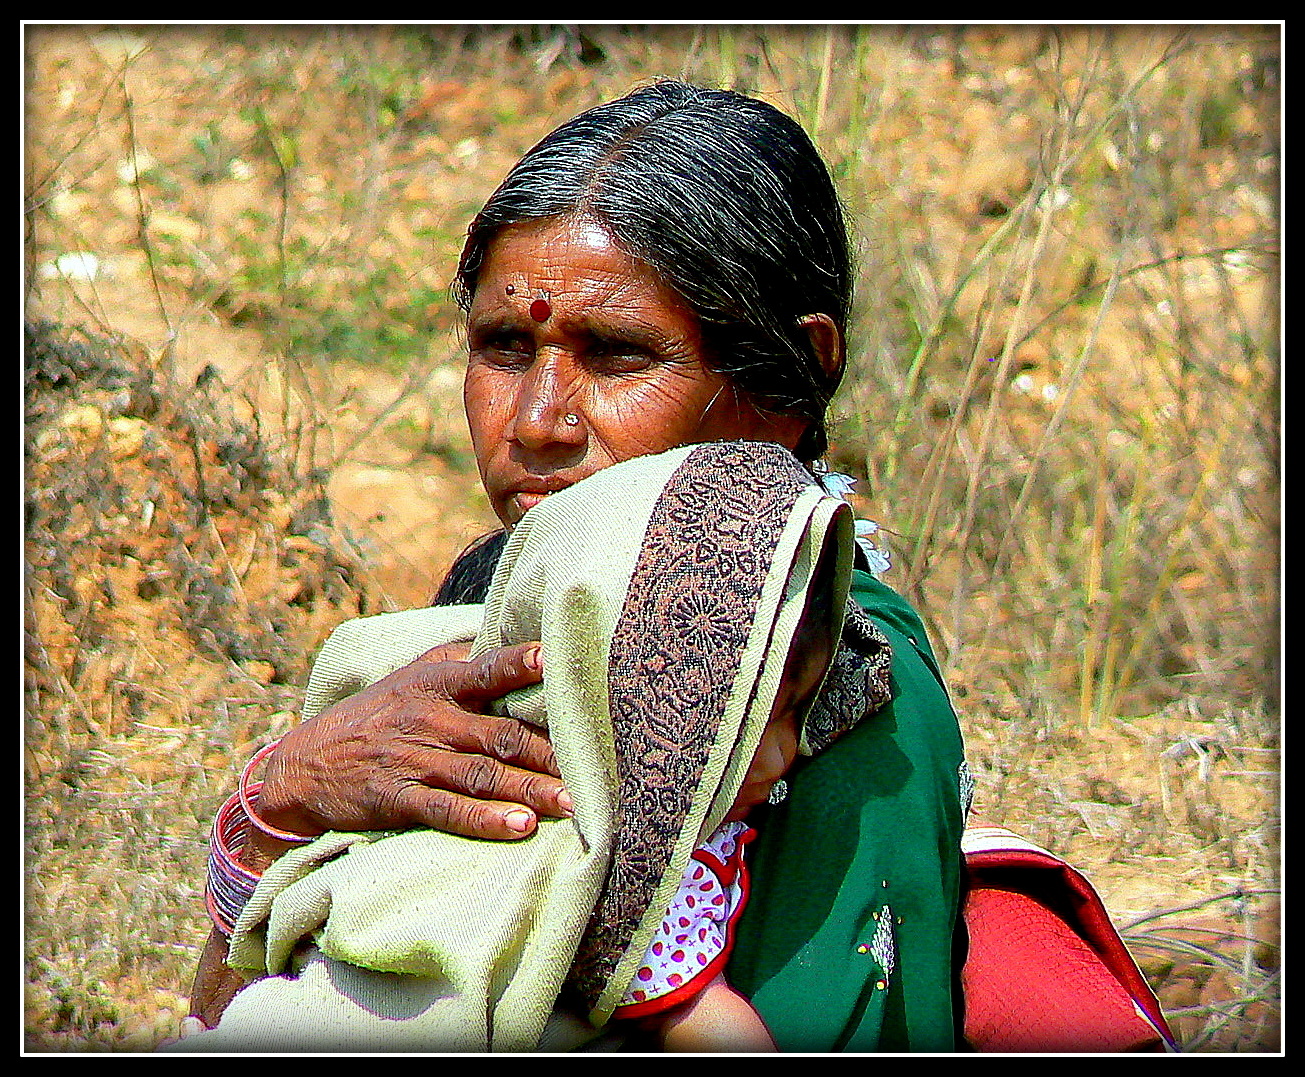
[694,939]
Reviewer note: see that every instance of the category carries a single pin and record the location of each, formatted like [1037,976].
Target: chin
[740,811]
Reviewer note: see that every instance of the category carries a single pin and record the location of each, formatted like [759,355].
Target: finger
[513,742]
[497,672]
[431,719]
[485,778]
[467,816]
[447,652]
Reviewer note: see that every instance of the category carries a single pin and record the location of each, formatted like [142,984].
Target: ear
[827,341]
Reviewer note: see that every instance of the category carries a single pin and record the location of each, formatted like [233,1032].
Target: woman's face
[581,357]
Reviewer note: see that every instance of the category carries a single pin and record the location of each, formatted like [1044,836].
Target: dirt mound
[152,502]
[179,577]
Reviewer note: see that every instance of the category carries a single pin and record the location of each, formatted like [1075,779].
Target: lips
[525,496]
[526,500]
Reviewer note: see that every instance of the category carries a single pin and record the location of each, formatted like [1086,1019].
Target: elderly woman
[668,269]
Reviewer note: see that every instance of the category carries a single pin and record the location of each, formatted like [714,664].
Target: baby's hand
[717,1019]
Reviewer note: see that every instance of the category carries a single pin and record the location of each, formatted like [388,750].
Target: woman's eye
[505,350]
[615,357]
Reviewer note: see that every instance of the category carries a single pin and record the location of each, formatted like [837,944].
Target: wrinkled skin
[402,723]
[620,353]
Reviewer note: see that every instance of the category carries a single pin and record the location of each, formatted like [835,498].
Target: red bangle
[246,791]
[230,884]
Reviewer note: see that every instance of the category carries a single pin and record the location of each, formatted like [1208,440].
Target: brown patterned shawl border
[674,657]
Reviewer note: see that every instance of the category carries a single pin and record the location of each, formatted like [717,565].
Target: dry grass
[1062,399]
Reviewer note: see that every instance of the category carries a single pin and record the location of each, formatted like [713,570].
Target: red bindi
[540,310]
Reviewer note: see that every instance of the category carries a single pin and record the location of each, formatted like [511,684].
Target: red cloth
[1046,969]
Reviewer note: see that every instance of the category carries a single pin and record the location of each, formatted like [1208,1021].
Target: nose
[544,413]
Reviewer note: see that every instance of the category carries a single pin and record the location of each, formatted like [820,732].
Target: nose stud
[570,418]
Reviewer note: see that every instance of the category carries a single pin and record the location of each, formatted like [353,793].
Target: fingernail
[535,658]
[519,820]
[565,802]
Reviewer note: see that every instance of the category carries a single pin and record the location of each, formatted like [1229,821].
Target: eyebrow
[640,334]
[495,320]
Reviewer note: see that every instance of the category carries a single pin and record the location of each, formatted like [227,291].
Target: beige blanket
[665,591]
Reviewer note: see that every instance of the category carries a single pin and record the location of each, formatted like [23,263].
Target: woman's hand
[216,983]
[416,749]
[413,749]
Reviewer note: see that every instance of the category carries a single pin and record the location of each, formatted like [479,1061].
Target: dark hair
[469,578]
[729,201]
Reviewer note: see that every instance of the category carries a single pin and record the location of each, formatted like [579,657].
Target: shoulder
[903,626]
[886,606]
